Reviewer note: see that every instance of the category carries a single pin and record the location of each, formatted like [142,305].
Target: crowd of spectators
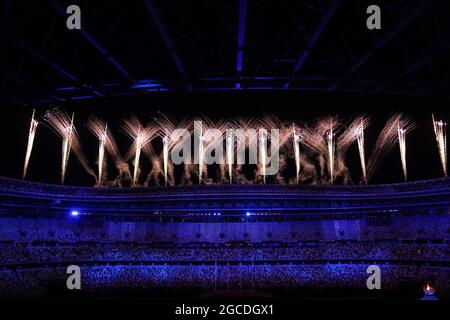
[128,251]
[206,278]
[24,253]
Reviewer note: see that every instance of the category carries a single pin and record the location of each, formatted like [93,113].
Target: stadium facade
[276,239]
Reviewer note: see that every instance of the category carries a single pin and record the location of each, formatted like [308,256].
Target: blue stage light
[75,213]
[248,214]
[146,84]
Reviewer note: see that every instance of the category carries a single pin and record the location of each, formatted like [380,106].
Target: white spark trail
[230,153]
[31,135]
[387,139]
[201,152]
[331,148]
[361,149]
[402,145]
[440,131]
[101,153]
[137,155]
[166,156]
[141,137]
[297,138]
[263,153]
[66,147]
[63,125]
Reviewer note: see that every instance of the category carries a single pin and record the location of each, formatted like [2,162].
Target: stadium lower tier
[270,279]
[152,269]
[22,254]
[211,240]
[150,259]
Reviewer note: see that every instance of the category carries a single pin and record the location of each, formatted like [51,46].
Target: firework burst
[140,136]
[63,125]
[206,134]
[331,149]
[318,151]
[100,129]
[402,145]
[440,131]
[263,153]
[102,132]
[387,139]
[321,140]
[296,140]
[166,126]
[263,125]
[362,157]
[229,149]
[31,135]
[354,132]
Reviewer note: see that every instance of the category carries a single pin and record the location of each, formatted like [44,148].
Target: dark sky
[423,161]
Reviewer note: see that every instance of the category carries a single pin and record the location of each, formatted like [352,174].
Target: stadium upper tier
[226,199]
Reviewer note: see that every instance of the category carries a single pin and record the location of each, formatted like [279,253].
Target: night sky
[422,156]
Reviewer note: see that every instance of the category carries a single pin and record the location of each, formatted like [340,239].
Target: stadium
[254,239]
[278,150]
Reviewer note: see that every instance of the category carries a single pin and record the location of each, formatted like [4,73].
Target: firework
[362,157]
[282,136]
[100,130]
[198,129]
[67,147]
[402,145]
[331,149]
[166,126]
[318,151]
[230,153]
[297,137]
[208,136]
[263,153]
[141,137]
[138,141]
[351,134]
[166,156]
[228,128]
[245,140]
[441,140]
[31,134]
[101,153]
[387,139]
[320,140]
[107,143]
[63,125]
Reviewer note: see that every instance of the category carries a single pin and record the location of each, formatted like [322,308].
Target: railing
[10,186]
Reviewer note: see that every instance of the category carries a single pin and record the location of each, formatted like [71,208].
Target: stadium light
[75,213]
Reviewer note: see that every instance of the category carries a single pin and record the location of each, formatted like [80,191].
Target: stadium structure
[208,240]
[305,61]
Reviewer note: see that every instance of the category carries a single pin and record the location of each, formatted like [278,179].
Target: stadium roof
[145,46]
